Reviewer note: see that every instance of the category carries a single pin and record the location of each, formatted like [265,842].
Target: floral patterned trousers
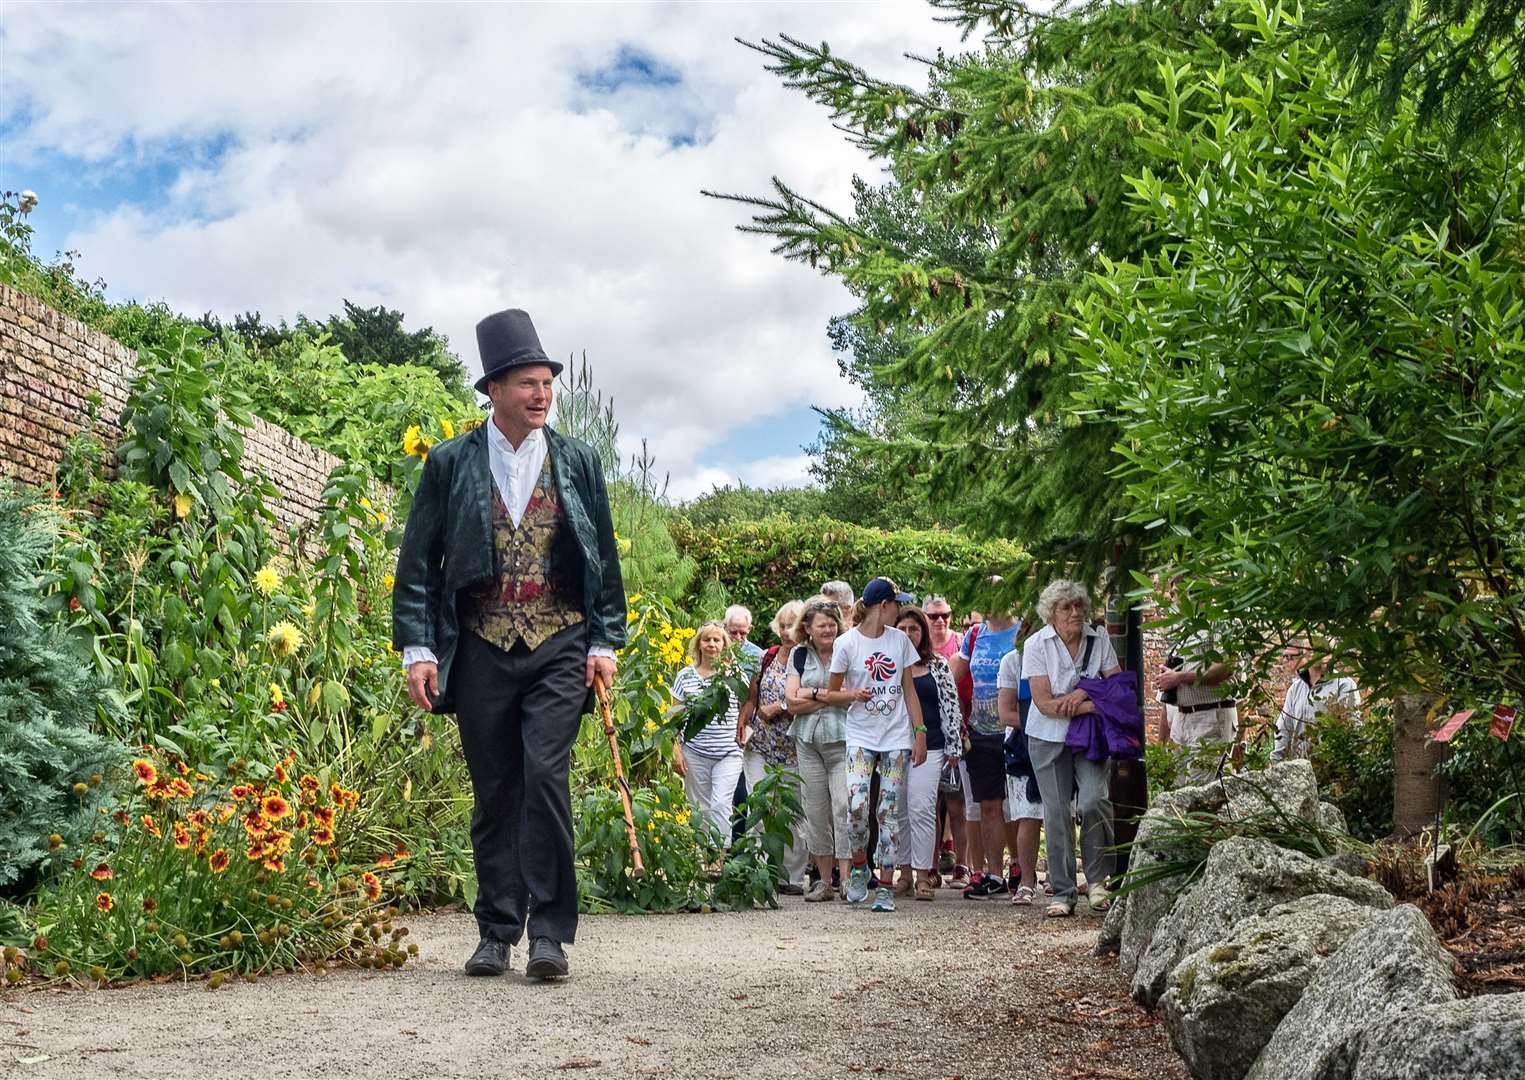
[892,778]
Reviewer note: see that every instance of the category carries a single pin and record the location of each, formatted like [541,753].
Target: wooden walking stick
[638,868]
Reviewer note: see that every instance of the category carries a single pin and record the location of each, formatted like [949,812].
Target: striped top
[717,739]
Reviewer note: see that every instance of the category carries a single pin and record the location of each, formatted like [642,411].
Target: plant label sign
[1448,730]
[1503,721]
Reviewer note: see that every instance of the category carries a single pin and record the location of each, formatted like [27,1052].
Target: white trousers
[1193,729]
[755,768]
[918,813]
[711,787]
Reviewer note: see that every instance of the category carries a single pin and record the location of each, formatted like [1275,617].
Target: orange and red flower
[101,873]
[147,774]
[281,775]
[218,860]
[255,823]
[182,836]
[372,885]
[103,901]
[151,826]
[323,836]
[275,807]
[182,788]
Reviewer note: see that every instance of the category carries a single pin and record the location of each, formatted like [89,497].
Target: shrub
[51,760]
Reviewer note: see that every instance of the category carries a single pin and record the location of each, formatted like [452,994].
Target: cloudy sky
[449,160]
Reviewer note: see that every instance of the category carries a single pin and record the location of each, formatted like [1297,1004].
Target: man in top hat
[508,604]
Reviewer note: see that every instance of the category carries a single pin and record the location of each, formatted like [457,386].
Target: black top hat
[506,340]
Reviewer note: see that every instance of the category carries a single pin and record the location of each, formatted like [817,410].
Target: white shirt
[882,722]
[1045,655]
[1302,706]
[515,472]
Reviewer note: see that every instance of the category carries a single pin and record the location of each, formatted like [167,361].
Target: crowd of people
[929,758]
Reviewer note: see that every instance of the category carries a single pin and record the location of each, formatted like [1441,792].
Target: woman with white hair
[1054,660]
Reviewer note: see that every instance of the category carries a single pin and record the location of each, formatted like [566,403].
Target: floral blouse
[771,738]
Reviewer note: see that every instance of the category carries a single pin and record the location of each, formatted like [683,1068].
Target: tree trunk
[1416,788]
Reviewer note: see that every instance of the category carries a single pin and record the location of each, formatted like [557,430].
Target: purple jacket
[1116,728]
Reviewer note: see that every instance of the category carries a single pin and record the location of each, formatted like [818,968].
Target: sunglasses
[940,616]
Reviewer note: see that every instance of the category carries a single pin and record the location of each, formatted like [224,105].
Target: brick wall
[51,364]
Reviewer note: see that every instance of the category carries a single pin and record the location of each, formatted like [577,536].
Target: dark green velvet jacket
[447,545]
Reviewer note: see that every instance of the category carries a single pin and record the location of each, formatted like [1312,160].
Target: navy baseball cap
[879,590]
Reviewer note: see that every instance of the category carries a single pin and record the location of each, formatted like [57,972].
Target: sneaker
[884,899]
[790,888]
[819,892]
[985,888]
[960,878]
[945,860]
[1013,877]
[857,884]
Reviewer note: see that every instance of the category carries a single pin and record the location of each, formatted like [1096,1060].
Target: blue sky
[281,157]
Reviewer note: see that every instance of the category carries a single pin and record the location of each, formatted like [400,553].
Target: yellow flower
[387,581]
[651,727]
[414,444]
[215,683]
[267,579]
[313,694]
[284,639]
[365,502]
[276,697]
[182,505]
[447,427]
[308,609]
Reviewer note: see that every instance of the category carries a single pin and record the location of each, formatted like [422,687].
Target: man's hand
[1168,679]
[600,667]
[423,680]
[679,766]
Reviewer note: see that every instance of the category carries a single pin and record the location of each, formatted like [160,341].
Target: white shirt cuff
[601,650]
[414,654]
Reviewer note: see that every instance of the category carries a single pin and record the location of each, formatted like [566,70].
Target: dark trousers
[519,712]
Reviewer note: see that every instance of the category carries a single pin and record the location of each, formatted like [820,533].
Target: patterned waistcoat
[530,597]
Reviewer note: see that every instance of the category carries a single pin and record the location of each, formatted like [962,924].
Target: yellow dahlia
[267,579]
[285,639]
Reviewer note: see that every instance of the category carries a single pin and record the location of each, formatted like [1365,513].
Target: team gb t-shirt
[881,722]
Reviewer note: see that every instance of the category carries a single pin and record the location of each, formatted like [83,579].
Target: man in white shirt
[1312,694]
[507,606]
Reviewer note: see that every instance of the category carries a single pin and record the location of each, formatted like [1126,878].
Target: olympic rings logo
[879,706]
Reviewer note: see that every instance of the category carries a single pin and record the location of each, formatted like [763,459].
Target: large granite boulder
[1287,786]
[1223,1002]
[1147,904]
[1377,981]
[1244,877]
[1110,938]
[1482,1038]
[1332,818]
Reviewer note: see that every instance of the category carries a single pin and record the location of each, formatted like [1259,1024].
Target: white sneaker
[1099,898]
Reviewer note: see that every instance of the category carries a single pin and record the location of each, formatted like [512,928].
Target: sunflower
[182,835]
[284,638]
[103,901]
[148,823]
[447,427]
[413,442]
[218,860]
[387,581]
[372,885]
[274,807]
[147,774]
[101,873]
[267,579]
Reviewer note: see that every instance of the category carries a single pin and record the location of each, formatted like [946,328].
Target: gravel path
[947,989]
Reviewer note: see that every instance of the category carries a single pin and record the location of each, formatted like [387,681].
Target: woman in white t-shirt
[709,761]
[1054,660]
[884,727]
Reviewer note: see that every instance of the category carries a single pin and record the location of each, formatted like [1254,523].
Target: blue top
[984,667]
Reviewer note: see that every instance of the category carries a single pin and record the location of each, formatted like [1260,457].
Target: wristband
[920,729]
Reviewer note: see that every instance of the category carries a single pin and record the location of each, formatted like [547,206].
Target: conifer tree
[49,693]
[1024,143]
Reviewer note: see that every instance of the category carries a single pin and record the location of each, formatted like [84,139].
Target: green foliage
[755,868]
[726,505]
[670,850]
[1478,771]
[732,681]
[50,758]
[374,337]
[1462,62]
[1321,377]
[1353,758]
[764,563]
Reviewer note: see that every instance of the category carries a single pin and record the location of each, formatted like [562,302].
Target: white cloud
[446,160]
[767,472]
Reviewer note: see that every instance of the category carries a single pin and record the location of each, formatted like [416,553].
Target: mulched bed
[1480,918]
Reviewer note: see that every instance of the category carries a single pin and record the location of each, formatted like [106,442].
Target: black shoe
[546,961]
[789,888]
[491,958]
[985,888]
